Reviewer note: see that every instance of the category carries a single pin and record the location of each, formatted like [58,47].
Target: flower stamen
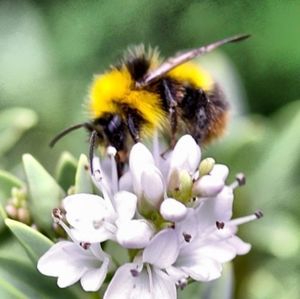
[246,219]
[220,224]
[111,152]
[85,245]
[240,180]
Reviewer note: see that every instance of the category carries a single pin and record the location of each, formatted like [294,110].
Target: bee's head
[111,129]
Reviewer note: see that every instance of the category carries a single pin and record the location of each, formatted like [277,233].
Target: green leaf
[66,170]
[2,217]
[7,182]
[11,248]
[18,278]
[8,291]
[83,181]
[275,177]
[14,122]
[45,193]
[33,242]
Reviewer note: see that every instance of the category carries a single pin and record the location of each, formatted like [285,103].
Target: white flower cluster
[174,212]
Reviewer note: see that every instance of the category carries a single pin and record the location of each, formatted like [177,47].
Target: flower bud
[11,211]
[23,215]
[184,191]
[173,210]
[186,155]
[152,186]
[135,233]
[221,171]
[208,186]
[206,166]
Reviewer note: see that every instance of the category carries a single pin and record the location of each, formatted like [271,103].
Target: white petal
[240,246]
[208,186]
[140,157]
[173,210]
[100,234]
[202,270]
[186,155]
[163,249]
[188,225]
[152,185]
[134,233]
[218,208]
[218,251]
[55,259]
[92,280]
[125,204]
[163,286]
[70,275]
[126,286]
[125,182]
[82,210]
[221,171]
[176,273]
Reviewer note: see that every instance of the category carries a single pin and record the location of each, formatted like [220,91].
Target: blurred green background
[49,51]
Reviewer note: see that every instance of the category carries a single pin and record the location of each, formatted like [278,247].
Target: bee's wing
[183,57]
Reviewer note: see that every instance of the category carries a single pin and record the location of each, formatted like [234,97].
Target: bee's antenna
[183,57]
[93,140]
[67,131]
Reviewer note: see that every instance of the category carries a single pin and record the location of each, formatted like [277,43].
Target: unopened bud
[206,166]
[173,210]
[11,211]
[152,186]
[23,215]
[208,186]
[184,191]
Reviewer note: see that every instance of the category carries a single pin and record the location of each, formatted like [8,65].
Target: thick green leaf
[83,181]
[11,248]
[33,242]
[66,170]
[19,277]
[45,193]
[7,182]
[13,123]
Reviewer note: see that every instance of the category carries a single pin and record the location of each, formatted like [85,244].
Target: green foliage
[14,122]
[20,280]
[48,55]
[65,170]
[83,181]
[44,193]
[34,243]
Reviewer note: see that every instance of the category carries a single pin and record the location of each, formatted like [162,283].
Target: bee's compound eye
[115,131]
[114,124]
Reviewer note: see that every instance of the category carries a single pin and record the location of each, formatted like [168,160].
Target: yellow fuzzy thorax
[114,89]
[192,73]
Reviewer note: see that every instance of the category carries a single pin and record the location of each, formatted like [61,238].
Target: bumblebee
[143,94]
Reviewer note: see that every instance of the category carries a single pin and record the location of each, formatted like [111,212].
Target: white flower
[186,233]
[148,279]
[70,262]
[94,219]
[208,237]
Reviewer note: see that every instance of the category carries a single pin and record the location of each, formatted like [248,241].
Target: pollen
[193,74]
